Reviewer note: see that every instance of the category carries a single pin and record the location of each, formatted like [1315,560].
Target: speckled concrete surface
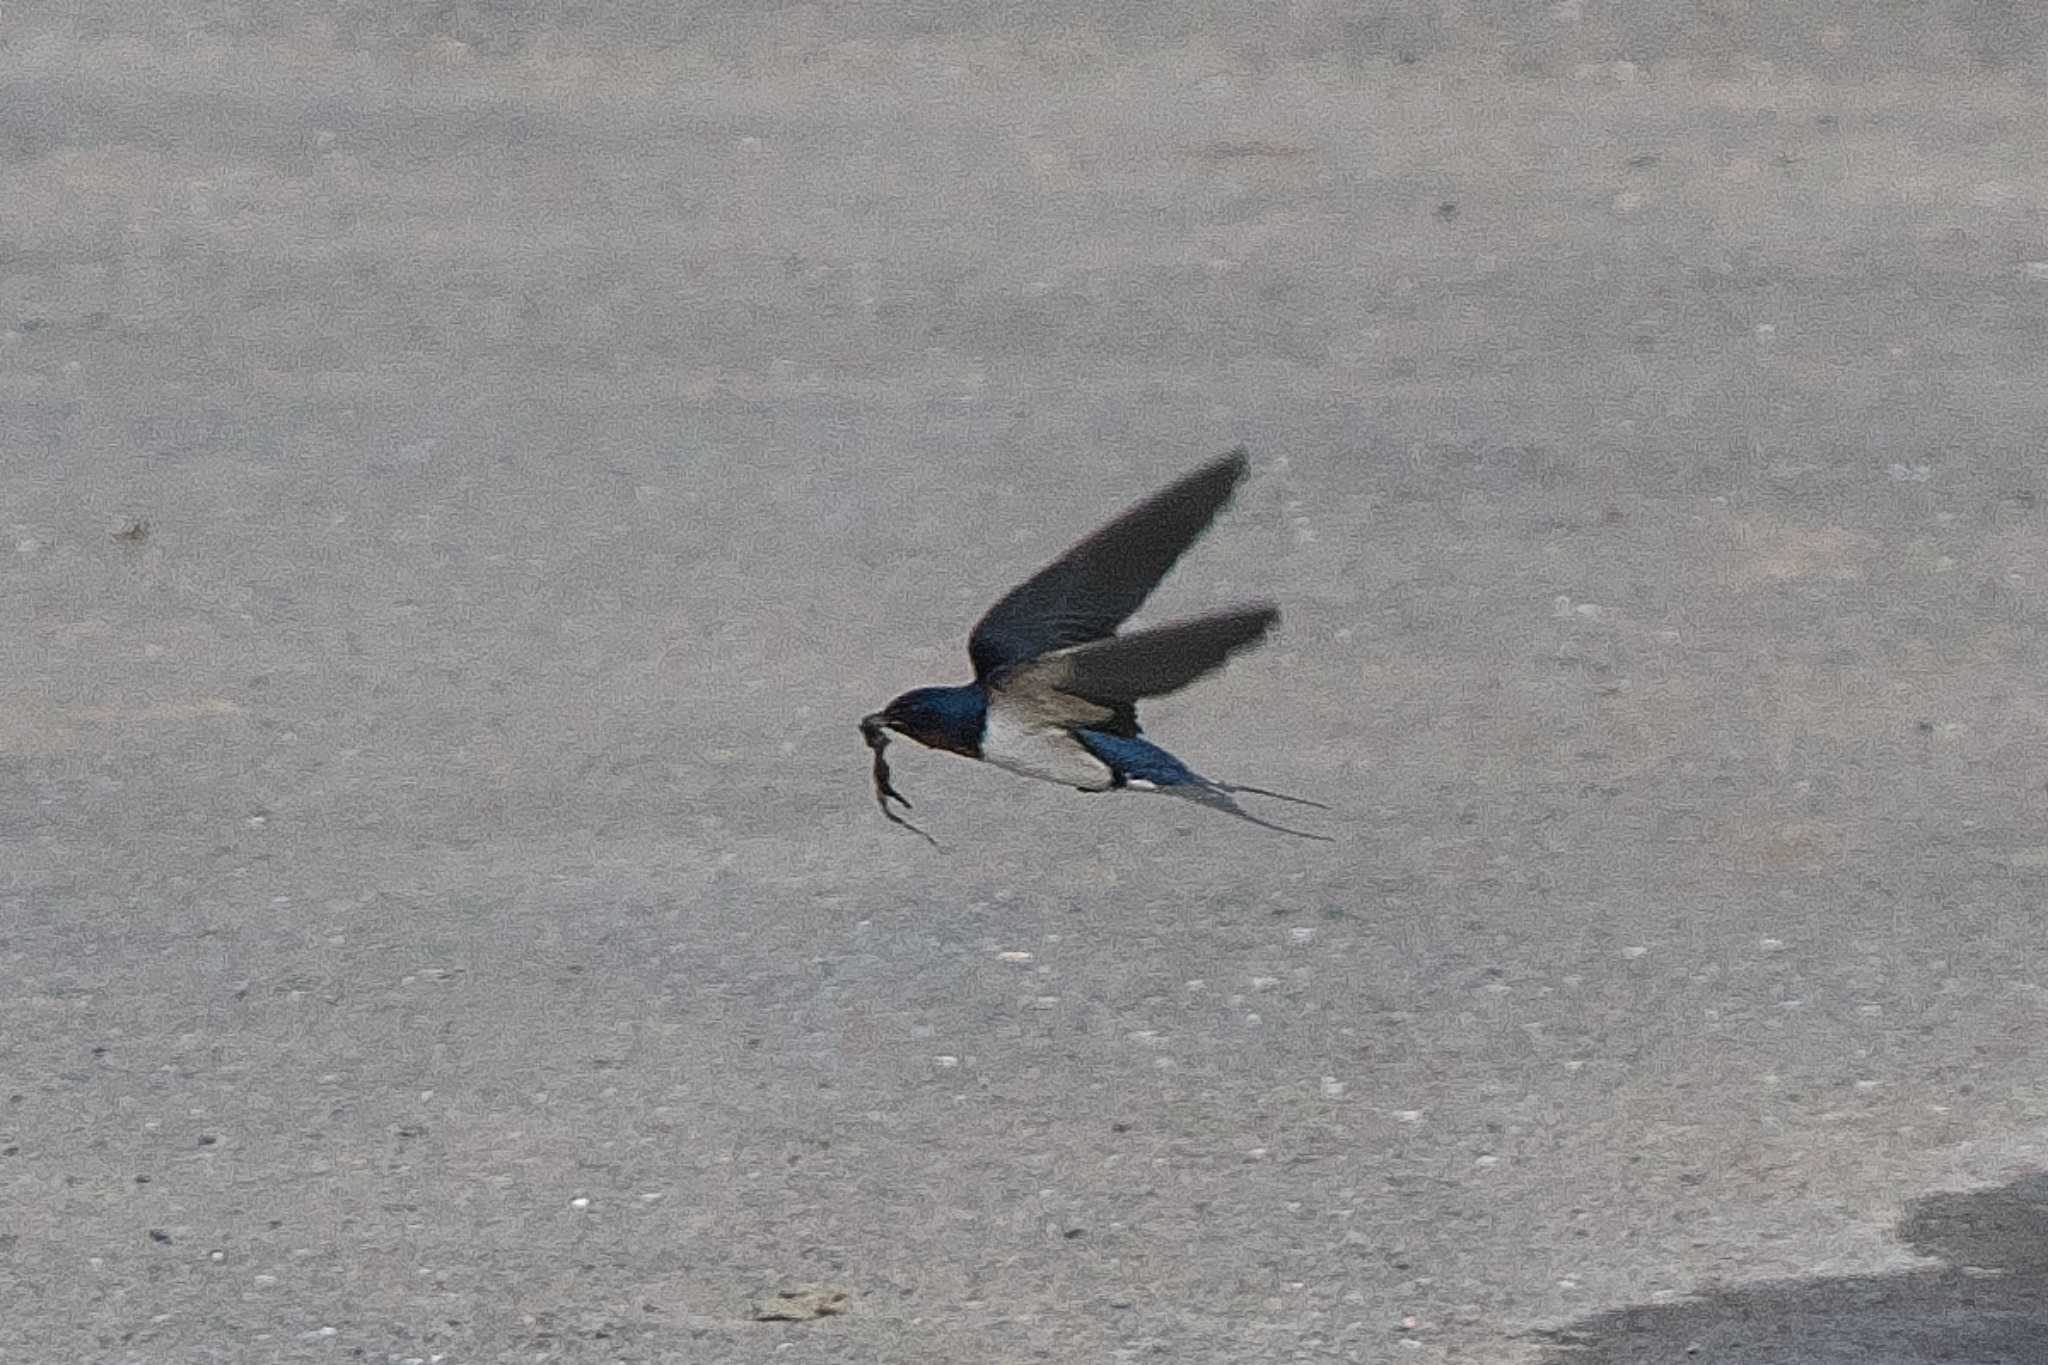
[442,912]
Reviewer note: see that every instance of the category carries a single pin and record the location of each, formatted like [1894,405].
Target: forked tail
[1222,796]
[1141,765]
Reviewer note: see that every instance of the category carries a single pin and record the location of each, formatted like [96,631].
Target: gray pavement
[443,916]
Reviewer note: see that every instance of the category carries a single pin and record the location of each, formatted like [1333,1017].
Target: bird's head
[948,718]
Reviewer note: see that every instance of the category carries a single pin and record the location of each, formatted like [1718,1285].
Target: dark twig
[878,740]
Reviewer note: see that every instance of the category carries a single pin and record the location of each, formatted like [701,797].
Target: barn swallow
[1055,688]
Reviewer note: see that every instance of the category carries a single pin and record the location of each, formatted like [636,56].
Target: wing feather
[1090,590]
[1149,663]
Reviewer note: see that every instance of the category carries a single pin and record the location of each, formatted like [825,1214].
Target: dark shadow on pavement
[1987,1306]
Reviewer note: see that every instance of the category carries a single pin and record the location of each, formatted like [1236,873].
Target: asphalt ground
[466,469]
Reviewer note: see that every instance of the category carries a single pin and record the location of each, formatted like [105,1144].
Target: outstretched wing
[1149,663]
[1076,685]
[1089,591]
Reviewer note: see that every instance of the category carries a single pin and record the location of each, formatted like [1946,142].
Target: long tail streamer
[1222,796]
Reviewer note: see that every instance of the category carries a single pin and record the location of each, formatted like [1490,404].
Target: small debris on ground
[802,1305]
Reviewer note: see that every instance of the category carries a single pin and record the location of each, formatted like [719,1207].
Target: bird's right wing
[1087,592]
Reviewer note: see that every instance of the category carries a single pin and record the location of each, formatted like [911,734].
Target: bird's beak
[873,725]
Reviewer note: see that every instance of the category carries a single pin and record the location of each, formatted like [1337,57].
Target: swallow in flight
[1055,689]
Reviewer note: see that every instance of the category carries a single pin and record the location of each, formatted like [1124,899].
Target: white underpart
[1047,752]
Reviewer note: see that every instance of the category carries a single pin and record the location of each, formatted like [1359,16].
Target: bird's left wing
[1149,663]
